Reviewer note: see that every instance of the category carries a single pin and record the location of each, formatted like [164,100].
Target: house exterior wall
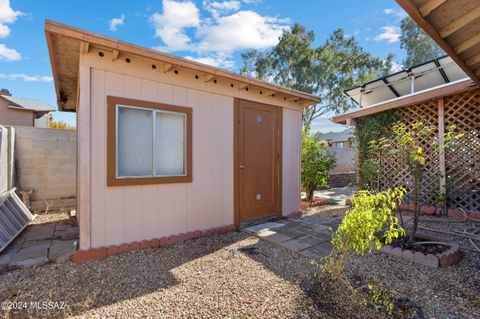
[14,117]
[123,214]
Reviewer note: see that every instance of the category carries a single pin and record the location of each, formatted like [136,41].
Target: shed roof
[454,25]
[65,44]
[29,104]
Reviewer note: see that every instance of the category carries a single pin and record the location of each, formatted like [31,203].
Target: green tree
[316,162]
[419,46]
[339,63]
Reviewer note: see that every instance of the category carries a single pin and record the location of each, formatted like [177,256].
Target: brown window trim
[112,179]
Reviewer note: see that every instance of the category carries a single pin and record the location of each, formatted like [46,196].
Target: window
[148,143]
[339,144]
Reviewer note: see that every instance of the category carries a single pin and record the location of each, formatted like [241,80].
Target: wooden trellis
[457,170]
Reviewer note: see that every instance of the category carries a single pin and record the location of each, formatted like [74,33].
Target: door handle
[242,166]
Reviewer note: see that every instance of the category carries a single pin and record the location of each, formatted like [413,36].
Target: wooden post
[441,147]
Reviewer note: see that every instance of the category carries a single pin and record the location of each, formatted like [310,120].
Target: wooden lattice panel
[463,162]
[393,171]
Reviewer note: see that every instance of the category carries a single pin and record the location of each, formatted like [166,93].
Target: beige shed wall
[291,160]
[14,117]
[115,215]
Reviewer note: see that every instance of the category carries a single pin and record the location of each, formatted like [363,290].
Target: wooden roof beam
[460,22]
[473,60]
[84,47]
[208,77]
[115,54]
[167,67]
[242,86]
[464,46]
[429,6]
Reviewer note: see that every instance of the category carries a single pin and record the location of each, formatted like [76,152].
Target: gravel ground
[452,292]
[204,278]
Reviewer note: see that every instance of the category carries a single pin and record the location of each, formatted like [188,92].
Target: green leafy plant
[407,142]
[316,162]
[370,223]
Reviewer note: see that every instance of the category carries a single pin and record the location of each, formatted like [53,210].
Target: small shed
[171,147]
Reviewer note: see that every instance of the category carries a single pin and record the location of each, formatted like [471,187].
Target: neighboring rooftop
[342,136]
[27,104]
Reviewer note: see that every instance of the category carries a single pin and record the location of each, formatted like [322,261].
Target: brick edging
[449,257]
[103,252]
[429,209]
[295,215]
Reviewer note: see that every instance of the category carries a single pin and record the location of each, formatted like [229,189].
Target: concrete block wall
[45,162]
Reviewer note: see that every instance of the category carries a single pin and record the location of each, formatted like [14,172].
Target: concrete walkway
[39,244]
[308,239]
[338,195]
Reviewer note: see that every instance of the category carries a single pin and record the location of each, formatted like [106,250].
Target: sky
[212,32]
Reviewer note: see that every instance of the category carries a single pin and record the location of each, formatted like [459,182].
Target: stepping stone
[305,242]
[318,251]
[257,229]
[62,250]
[274,236]
[68,233]
[30,256]
[39,232]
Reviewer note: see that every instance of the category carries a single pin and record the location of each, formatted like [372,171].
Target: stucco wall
[344,160]
[123,214]
[14,117]
[45,162]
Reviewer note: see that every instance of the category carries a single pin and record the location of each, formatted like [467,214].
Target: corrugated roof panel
[14,217]
[427,76]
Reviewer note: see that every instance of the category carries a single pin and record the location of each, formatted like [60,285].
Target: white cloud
[171,25]
[388,11]
[391,34]
[26,77]
[398,13]
[7,16]
[8,54]
[396,67]
[213,38]
[117,22]
[217,8]
[214,60]
[239,31]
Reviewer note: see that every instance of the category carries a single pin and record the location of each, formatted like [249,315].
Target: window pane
[135,140]
[170,141]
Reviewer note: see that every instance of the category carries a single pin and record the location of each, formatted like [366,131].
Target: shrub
[316,162]
[370,223]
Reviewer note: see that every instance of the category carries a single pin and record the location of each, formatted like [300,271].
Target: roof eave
[52,27]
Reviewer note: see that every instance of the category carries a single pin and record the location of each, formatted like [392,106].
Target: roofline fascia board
[52,27]
[415,14]
[417,97]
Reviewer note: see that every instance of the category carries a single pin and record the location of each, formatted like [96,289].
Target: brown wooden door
[259,156]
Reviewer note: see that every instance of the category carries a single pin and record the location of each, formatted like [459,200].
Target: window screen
[134,142]
[170,144]
[150,143]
